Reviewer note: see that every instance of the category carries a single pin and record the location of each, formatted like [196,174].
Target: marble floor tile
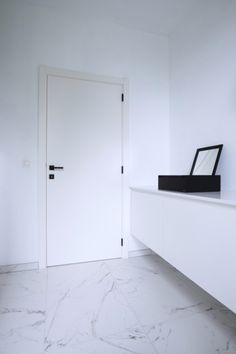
[22,312]
[200,333]
[140,305]
[179,317]
[85,309]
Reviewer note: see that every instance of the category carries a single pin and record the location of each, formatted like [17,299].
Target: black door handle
[52,167]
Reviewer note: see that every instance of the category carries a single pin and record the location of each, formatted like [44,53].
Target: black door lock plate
[51,176]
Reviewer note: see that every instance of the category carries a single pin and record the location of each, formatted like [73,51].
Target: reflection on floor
[140,305]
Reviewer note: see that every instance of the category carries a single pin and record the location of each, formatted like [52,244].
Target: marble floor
[140,305]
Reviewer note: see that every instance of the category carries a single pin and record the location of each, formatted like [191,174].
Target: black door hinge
[122,170]
[121,242]
[122,97]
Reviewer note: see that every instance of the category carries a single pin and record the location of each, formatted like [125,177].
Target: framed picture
[206,160]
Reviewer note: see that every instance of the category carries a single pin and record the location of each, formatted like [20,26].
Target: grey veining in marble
[18,267]
[140,305]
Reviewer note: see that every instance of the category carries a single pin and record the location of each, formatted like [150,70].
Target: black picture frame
[219,147]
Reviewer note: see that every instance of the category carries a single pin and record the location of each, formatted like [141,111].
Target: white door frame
[44,72]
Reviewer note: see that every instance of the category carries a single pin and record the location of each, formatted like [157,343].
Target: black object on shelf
[190,183]
[202,176]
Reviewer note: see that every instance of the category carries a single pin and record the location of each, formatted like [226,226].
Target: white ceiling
[155,16]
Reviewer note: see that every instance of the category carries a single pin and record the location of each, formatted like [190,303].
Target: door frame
[44,72]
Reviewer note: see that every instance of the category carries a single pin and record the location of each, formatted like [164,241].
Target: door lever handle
[52,167]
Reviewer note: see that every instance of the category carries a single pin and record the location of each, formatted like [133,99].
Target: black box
[189,183]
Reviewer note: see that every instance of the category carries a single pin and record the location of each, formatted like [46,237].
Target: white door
[84,199]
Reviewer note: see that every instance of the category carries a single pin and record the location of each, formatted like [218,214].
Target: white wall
[56,33]
[203,87]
